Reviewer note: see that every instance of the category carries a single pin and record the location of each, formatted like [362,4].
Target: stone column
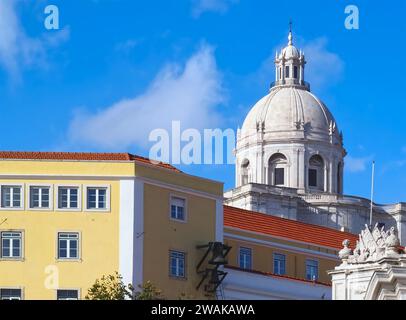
[301,74]
[331,176]
[301,169]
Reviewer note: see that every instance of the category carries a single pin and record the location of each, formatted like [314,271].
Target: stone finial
[346,252]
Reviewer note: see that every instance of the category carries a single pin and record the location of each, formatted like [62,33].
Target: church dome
[290,108]
[290,52]
[290,138]
[290,111]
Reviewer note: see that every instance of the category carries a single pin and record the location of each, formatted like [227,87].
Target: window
[316,173]
[11,196]
[97,198]
[68,197]
[67,295]
[277,167]
[178,208]
[68,245]
[245,168]
[177,264]
[312,270]
[39,197]
[287,72]
[313,177]
[246,258]
[295,72]
[279,177]
[11,245]
[279,264]
[10,294]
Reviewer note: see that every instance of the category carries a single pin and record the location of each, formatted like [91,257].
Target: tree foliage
[148,292]
[112,287]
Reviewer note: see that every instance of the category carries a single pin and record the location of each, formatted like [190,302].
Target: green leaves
[111,287]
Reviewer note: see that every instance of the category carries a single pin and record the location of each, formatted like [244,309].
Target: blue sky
[117,68]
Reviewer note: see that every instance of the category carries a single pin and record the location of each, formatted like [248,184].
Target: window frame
[50,201]
[287,72]
[79,247]
[21,257]
[185,212]
[175,277]
[69,186]
[22,196]
[12,288]
[275,176]
[274,260]
[68,289]
[108,197]
[318,268]
[251,255]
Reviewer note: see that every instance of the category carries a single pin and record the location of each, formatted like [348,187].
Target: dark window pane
[279,176]
[6,248]
[10,294]
[312,177]
[16,247]
[295,72]
[67,295]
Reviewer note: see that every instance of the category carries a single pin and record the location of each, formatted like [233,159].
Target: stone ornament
[346,252]
[371,246]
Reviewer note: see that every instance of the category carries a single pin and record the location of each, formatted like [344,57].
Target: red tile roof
[269,274]
[80,156]
[285,228]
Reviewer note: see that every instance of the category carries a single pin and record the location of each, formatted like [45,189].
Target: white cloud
[201,6]
[324,67]
[17,49]
[186,93]
[354,165]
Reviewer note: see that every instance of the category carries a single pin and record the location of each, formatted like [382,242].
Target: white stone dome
[288,109]
[290,52]
[290,138]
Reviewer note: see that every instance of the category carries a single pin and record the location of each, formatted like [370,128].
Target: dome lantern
[289,65]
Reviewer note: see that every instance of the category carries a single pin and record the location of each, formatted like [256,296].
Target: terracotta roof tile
[285,228]
[80,156]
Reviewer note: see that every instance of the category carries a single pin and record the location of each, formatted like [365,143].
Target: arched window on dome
[287,72]
[277,169]
[295,72]
[315,175]
[245,168]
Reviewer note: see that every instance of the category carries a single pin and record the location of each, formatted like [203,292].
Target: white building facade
[290,158]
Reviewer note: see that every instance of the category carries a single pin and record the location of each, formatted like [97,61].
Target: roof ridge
[80,155]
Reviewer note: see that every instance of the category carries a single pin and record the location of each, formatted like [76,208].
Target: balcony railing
[296,83]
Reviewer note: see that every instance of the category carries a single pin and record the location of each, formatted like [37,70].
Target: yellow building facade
[67,219]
